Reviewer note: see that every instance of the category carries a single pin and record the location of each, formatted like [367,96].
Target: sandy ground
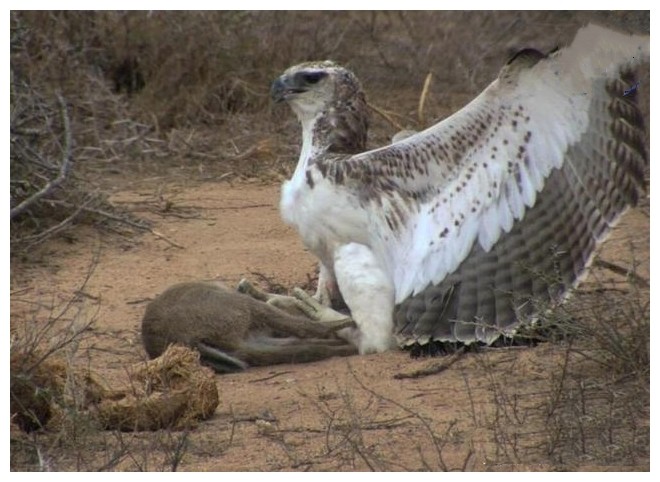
[486,411]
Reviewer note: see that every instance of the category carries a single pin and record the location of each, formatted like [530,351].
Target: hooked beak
[281,89]
[278,90]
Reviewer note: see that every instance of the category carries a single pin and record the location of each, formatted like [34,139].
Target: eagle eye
[313,77]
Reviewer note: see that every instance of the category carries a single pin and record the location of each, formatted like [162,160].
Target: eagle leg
[369,294]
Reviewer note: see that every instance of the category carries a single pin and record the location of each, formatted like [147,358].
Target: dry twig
[65,166]
[438,367]
[422,98]
[383,113]
[629,274]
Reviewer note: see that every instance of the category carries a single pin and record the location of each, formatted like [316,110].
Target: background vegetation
[96,93]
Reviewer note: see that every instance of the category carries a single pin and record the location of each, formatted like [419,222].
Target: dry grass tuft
[42,389]
[171,391]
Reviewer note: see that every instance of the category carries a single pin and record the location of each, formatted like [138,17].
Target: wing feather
[476,204]
[449,207]
[470,177]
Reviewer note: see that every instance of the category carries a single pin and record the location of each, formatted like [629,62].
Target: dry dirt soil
[516,408]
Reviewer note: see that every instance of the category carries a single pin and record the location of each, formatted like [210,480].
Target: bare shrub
[53,128]
[599,408]
[592,411]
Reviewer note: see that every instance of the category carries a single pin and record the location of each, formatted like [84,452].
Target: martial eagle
[463,231]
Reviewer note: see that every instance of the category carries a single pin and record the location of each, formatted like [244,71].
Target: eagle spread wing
[483,219]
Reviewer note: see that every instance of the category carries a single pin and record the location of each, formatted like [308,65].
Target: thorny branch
[65,166]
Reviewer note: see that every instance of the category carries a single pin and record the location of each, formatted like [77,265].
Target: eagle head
[311,87]
[330,96]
